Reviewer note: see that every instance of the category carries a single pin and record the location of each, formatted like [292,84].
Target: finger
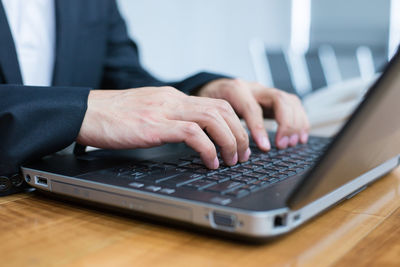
[193,136]
[233,121]
[296,125]
[289,118]
[207,116]
[301,125]
[245,104]
[305,129]
[252,113]
[283,118]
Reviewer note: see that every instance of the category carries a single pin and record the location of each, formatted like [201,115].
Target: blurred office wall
[347,22]
[180,37]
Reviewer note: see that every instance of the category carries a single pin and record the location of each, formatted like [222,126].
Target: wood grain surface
[38,231]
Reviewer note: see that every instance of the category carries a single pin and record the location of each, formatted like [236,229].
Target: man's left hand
[252,101]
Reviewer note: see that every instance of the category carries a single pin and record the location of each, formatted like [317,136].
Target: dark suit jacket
[93,50]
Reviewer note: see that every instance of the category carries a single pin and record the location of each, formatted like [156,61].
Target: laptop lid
[369,138]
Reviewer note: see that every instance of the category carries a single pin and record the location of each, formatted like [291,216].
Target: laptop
[270,195]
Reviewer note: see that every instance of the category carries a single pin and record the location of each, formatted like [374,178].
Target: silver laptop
[270,195]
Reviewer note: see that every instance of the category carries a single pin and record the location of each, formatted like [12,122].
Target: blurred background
[296,45]
[179,37]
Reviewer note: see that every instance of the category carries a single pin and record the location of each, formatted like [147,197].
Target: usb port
[41,181]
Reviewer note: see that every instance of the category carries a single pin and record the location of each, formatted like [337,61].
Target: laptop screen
[369,138]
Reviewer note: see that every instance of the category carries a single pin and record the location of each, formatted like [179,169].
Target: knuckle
[169,91]
[168,88]
[211,114]
[280,95]
[224,106]
[238,83]
[296,99]
[227,85]
[191,129]
[230,85]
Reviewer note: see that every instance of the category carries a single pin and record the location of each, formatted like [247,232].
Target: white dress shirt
[32,24]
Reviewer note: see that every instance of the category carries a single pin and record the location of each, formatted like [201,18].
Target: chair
[319,67]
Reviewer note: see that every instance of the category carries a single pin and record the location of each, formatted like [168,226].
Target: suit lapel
[67,23]
[8,55]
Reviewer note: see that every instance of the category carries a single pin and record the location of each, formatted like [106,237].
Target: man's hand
[252,100]
[152,116]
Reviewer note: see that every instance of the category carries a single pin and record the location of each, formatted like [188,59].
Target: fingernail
[246,155]
[265,144]
[294,139]
[304,138]
[216,163]
[283,143]
[234,159]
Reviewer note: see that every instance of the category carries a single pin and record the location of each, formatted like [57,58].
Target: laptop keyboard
[188,173]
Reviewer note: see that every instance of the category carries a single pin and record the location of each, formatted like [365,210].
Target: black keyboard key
[218,178]
[241,169]
[253,187]
[271,180]
[224,187]
[254,158]
[158,176]
[262,163]
[181,179]
[285,165]
[203,171]
[294,161]
[238,193]
[151,164]
[221,200]
[296,169]
[153,188]
[192,166]
[136,185]
[176,162]
[252,167]
[267,171]
[212,172]
[198,161]
[281,176]
[244,179]
[256,175]
[186,159]
[200,184]
[288,173]
[230,174]
[167,191]
[268,180]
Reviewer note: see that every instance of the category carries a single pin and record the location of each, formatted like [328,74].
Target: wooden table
[37,231]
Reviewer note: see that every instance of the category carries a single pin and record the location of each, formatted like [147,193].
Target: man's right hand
[152,116]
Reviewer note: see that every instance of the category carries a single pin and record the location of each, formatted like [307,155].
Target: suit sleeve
[37,121]
[122,66]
